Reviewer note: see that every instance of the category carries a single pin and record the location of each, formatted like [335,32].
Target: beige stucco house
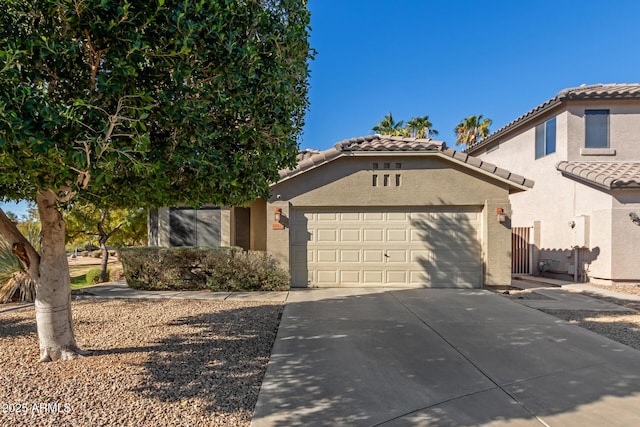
[582,148]
[371,211]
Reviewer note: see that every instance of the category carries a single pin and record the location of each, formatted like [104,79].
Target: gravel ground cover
[153,363]
[621,327]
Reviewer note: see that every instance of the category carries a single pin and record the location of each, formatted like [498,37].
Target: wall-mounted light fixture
[502,217]
[277,219]
[634,218]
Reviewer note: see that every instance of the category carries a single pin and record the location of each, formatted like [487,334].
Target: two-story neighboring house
[582,148]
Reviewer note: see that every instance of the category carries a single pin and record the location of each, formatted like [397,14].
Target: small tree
[135,103]
[103,225]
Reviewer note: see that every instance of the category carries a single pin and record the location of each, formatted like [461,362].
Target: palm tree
[421,127]
[14,279]
[472,130]
[388,126]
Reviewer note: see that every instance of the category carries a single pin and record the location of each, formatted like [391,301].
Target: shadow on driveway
[440,357]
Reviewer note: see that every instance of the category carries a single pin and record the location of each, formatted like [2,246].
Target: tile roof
[488,167]
[310,159]
[607,175]
[388,143]
[597,92]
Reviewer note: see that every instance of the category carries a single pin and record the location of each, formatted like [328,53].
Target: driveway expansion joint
[471,362]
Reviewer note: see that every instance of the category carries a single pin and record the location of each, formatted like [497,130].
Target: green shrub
[96,254]
[188,268]
[92,276]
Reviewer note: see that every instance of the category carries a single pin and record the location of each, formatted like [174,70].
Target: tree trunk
[105,260]
[53,286]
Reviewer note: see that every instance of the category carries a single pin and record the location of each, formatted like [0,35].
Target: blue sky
[451,59]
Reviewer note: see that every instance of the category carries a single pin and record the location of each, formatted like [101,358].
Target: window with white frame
[546,138]
[596,129]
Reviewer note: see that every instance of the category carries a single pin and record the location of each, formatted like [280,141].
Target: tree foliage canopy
[149,103]
[124,227]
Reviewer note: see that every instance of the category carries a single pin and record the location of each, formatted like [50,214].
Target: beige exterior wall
[163,227]
[556,200]
[424,181]
[624,131]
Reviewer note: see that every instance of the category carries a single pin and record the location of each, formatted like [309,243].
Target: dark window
[375,166]
[182,223]
[546,138]
[398,180]
[387,165]
[386,181]
[398,165]
[596,128]
[191,227]
[375,180]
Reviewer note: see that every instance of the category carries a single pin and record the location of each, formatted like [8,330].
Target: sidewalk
[558,295]
[121,290]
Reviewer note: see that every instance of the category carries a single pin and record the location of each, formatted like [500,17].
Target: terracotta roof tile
[388,143]
[608,175]
[614,91]
[488,167]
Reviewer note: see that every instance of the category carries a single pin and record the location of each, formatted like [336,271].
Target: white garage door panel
[382,247]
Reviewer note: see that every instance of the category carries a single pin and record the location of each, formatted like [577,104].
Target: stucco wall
[556,200]
[425,181]
[624,130]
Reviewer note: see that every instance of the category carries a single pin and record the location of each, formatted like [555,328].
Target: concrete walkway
[121,290]
[441,357]
[559,296]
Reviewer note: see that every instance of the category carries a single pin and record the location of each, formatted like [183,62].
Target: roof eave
[513,126]
[511,184]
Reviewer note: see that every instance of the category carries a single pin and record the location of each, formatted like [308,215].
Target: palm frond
[19,284]
[9,264]
[14,279]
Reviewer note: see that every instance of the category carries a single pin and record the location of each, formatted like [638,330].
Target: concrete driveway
[441,357]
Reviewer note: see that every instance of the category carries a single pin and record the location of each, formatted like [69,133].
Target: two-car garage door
[386,247]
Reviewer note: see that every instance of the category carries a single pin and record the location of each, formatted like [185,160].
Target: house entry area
[435,247]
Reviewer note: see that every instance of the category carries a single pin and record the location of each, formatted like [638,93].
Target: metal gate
[521,253]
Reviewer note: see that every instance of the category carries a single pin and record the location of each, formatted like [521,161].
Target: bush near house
[92,276]
[189,268]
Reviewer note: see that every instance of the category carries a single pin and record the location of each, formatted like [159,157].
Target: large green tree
[140,103]
[472,129]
